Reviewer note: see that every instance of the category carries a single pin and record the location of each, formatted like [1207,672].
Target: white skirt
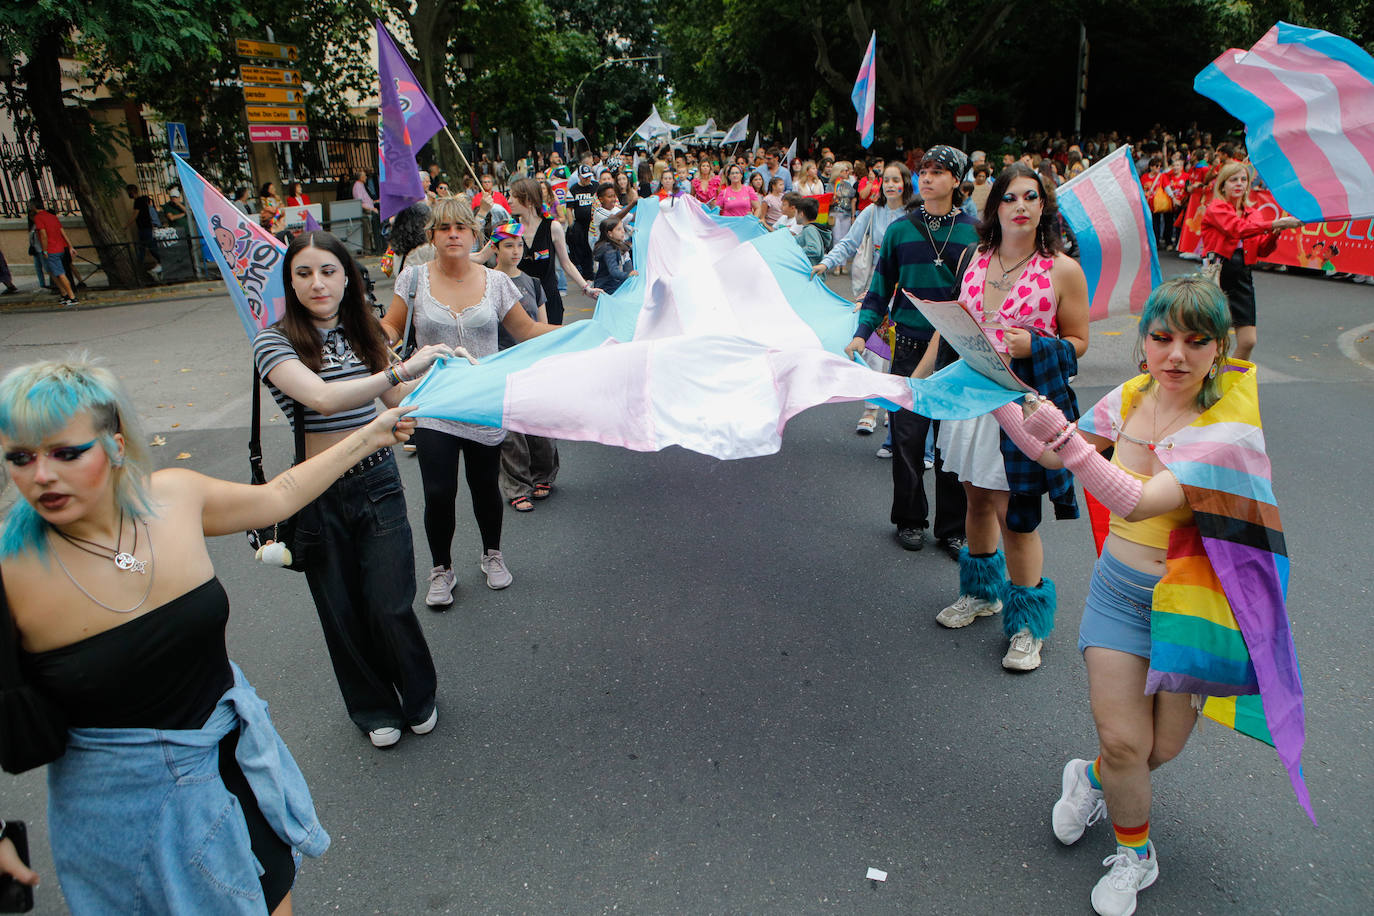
[972,449]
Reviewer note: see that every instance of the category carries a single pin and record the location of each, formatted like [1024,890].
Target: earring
[1212,372]
[1144,366]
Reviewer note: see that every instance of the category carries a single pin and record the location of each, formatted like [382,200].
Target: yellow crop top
[1152,532]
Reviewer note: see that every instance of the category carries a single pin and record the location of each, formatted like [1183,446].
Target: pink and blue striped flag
[1105,208]
[248,256]
[408,120]
[1305,97]
[864,94]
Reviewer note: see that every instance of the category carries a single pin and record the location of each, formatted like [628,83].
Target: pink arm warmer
[1113,486]
[1014,424]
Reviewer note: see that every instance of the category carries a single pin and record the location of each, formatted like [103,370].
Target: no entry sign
[965,118]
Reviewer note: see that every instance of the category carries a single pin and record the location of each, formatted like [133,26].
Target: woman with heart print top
[1032,301]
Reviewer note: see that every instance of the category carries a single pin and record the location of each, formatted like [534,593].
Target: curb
[1347,343]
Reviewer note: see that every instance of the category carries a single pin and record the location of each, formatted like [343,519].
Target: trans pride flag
[249,257]
[1219,625]
[1105,208]
[865,91]
[408,120]
[1306,98]
[722,338]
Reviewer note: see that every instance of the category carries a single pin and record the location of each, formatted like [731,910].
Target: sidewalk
[32,298]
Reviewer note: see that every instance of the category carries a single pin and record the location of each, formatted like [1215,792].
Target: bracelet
[1064,436]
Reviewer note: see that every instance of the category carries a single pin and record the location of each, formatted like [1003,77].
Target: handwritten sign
[966,336]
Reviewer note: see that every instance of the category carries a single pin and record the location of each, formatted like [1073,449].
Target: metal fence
[24,176]
[335,148]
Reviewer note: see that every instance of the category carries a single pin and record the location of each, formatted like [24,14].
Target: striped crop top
[271,348]
[1151,532]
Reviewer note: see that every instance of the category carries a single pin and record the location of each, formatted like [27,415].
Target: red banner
[1346,246]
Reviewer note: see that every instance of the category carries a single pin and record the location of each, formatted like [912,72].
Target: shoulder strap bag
[283,532]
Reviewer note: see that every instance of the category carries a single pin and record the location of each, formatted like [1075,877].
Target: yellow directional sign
[270,75]
[272,95]
[268,49]
[268,115]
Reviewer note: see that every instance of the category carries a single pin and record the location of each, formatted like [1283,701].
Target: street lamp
[613,60]
[465,63]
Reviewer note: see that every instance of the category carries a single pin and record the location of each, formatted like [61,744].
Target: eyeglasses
[65,453]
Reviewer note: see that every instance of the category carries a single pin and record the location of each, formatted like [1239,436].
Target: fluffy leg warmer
[982,577]
[1029,608]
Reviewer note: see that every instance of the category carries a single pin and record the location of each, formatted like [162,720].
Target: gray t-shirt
[473,328]
[531,297]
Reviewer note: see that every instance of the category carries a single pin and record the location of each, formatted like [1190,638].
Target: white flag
[573,134]
[738,131]
[754,150]
[654,126]
[702,130]
[791,152]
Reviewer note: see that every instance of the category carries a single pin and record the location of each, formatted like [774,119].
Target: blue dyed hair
[1190,303]
[38,400]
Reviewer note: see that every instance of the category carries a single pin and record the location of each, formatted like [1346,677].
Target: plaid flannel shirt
[1048,369]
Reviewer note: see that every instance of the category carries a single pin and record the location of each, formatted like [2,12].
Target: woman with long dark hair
[329,355]
[1031,300]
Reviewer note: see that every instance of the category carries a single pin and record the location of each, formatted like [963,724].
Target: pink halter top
[1030,303]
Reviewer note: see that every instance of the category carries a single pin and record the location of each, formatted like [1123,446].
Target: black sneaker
[952,546]
[911,538]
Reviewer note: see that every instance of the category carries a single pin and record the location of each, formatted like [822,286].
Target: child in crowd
[772,203]
[788,220]
[808,234]
[529,464]
[613,264]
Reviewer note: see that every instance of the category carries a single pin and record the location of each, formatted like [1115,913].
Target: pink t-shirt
[1030,303]
[737,201]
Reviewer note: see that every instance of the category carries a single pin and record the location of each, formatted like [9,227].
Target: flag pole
[467,164]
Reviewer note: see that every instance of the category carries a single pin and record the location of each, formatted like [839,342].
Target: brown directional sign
[269,50]
[272,95]
[272,76]
[267,115]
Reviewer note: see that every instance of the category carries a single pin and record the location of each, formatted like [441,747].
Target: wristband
[392,375]
[1057,442]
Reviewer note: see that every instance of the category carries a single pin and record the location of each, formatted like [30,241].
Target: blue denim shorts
[1117,612]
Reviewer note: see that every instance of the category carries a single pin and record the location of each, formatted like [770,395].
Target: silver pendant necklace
[1005,283]
[139,566]
[933,223]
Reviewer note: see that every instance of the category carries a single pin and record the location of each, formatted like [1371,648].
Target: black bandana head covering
[948,158]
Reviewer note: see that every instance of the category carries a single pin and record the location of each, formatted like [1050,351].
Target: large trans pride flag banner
[722,338]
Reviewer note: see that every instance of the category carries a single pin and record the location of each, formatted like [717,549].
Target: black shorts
[1239,287]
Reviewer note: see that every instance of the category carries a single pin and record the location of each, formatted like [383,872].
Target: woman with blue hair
[173,786]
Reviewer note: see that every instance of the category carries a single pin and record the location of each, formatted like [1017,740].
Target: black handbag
[283,532]
[33,730]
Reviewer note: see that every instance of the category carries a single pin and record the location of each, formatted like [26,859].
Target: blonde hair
[37,400]
[454,211]
[1228,171]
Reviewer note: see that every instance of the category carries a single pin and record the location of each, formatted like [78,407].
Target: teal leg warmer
[982,577]
[1031,609]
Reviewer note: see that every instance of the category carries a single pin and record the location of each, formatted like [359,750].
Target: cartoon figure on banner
[250,260]
[1318,256]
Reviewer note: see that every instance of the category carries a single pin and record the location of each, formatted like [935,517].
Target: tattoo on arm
[287,482]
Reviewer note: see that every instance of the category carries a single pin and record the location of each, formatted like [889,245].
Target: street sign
[273,95]
[273,76]
[176,138]
[266,49]
[965,118]
[272,133]
[271,115]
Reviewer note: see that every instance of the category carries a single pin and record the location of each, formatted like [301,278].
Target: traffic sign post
[176,139]
[965,121]
[261,114]
[274,133]
[267,50]
[272,76]
[272,95]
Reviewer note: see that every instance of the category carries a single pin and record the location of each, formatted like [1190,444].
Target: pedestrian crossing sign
[176,138]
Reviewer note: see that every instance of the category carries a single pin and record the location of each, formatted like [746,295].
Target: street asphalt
[719,688]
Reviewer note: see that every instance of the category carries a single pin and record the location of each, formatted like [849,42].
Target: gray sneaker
[494,566]
[1024,652]
[965,610]
[441,584]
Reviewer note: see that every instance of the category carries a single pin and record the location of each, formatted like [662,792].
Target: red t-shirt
[57,241]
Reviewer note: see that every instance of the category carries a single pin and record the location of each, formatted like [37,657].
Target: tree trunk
[69,149]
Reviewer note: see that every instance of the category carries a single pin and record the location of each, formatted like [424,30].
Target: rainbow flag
[1220,621]
[823,202]
[1305,96]
[1105,208]
[864,95]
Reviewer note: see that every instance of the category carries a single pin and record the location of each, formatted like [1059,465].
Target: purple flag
[312,224]
[408,120]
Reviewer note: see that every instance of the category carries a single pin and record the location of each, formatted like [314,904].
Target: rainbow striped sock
[1095,773]
[1136,839]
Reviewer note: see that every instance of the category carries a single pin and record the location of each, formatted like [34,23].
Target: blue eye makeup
[22,457]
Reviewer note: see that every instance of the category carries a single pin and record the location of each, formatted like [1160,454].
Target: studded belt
[370,462]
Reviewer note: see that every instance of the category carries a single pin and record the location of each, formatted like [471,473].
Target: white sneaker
[1024,652]
[1079,806]
[384,737]
[884,451]
[441,584]
[494,565]
[965,610]
[427,726]
[1115,894]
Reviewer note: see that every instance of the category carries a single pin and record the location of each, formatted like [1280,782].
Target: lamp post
[465,63]
[613,60]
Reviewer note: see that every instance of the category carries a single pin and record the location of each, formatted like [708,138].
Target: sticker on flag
[1105,208]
